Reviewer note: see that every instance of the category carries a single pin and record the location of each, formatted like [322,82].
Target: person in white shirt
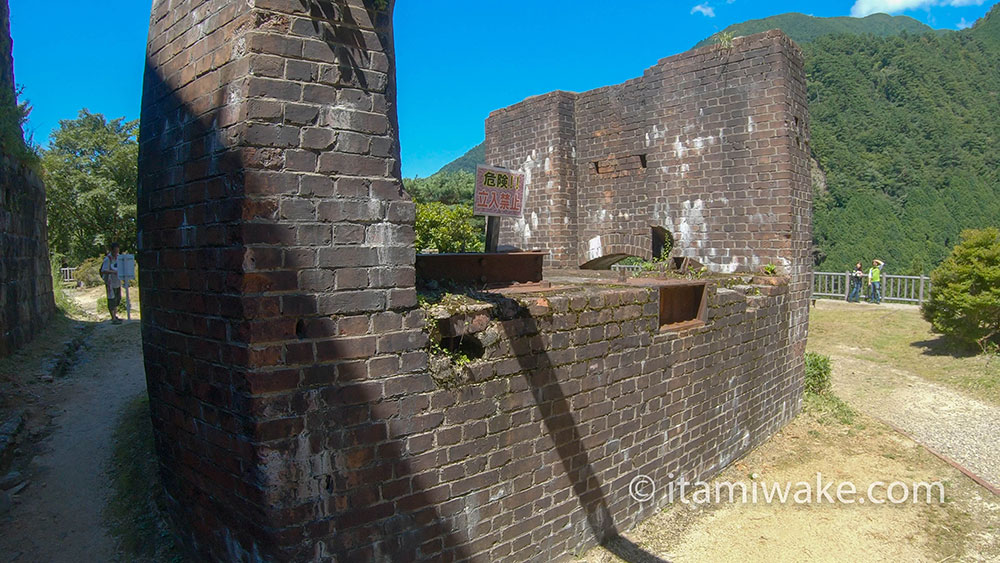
[109,271]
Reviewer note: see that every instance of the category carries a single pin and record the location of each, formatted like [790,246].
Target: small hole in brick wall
[468,346]
[300,329]
[642,160]
[597,166]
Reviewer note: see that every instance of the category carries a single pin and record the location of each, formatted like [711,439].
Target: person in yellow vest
[875,282]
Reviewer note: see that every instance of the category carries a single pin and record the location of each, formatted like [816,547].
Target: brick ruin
[709,147]
[26,301]
[299,415]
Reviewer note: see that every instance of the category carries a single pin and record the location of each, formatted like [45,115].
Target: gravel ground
[962,428]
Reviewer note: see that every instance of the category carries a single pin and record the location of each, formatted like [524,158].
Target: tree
[91,176]
[965,296]
[446,228]
[446,187]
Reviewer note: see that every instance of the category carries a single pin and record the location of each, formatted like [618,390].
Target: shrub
[818,373]
[447,228]
[88,272]
[63,301]
[965,291]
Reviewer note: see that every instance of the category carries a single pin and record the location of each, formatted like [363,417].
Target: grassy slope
[899,338]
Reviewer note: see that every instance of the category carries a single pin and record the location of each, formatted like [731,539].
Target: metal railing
[626,268]
[903,289]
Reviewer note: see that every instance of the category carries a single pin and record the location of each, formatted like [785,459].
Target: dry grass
[135,514]
[897,337]
[831,438]
[964,528]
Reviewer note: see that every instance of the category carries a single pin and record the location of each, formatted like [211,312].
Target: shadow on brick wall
[221,500]
[557,415]
[236,434]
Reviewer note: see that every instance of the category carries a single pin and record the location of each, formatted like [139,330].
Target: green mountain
[987,28]
[905,137]
[906,129]
[468,161]
[804,29]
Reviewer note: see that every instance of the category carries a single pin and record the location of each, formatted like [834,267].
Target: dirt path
[888,364]
[960,427]
[57,517]
[965,528]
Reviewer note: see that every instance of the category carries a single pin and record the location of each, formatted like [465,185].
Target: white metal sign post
[126,273]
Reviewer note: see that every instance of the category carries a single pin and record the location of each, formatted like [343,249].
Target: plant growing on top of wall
[13,116]
[725,39]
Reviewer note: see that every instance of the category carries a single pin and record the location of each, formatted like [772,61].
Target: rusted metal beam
[488,268]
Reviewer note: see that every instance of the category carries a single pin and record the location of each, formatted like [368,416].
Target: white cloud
[863,8]
[962,24]
[704,9]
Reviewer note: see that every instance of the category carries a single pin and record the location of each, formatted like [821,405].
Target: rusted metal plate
[488,268]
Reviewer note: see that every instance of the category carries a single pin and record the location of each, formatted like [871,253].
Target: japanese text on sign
[499,192]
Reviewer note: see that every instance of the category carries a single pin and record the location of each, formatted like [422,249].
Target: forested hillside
[905,128]
[468,161]
[803,28]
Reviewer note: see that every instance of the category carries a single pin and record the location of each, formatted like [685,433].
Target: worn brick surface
[25,279]
[297,412]
[711,145]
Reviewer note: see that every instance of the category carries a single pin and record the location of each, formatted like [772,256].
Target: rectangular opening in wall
[682,305]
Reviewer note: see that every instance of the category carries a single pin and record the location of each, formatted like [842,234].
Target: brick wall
[706,144]
[25,278]
[26,302]
[276,254]
[711,145]
[297,416]
[578,393]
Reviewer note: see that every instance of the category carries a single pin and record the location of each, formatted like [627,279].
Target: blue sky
[457,60]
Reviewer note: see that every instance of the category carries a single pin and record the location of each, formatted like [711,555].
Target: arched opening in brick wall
[607,250]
